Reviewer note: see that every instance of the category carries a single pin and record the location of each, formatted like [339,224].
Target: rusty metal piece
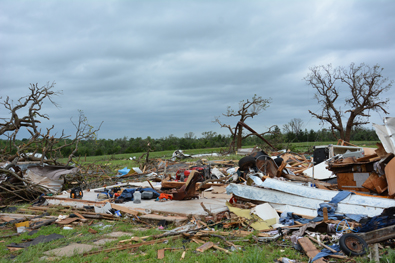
[187,191]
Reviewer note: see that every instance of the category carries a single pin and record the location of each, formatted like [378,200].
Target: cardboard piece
[390,175]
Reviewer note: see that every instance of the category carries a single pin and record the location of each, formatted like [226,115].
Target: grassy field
[119,161]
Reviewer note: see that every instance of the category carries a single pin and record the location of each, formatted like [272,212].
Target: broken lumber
[129,246]
[161,254]
[205,246]
[124,209]
[309,248]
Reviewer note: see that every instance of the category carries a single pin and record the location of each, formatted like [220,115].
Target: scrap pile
[341,199]
[21,183]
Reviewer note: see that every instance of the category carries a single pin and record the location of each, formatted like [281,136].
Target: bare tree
[294,126]
[40,141]
[41,146]
[247,109]
[365,84]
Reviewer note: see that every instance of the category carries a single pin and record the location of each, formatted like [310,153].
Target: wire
[342,230]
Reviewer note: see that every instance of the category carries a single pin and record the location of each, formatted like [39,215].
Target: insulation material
[259,224]
[267,213]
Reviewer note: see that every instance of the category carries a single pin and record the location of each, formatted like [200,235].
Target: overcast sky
[155,68]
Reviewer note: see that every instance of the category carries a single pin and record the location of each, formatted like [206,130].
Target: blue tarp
[326,252]
[289,218]
[123,171]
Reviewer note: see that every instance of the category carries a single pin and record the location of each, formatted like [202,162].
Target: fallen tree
[41,147]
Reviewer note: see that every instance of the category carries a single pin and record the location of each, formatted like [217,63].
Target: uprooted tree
[41,146]
[364,85]
[247,109]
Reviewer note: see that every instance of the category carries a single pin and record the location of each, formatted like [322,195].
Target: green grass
[118,161]
[250,252]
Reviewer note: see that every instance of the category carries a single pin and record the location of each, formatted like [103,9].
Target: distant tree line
[207,140]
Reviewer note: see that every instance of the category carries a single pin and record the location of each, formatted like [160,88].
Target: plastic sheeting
[386,134]
[50,177]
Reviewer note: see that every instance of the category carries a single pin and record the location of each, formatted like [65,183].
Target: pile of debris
[341,199]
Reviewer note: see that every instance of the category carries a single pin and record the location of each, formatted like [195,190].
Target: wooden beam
[124,209]
[205,246]
[309,248]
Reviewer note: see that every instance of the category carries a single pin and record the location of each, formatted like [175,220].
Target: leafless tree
[40,141]
[363,84]
[247,109]
[295,126]
[13,186]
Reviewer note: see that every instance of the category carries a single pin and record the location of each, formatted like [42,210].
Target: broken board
[352,181]
[309,248]
[390,175]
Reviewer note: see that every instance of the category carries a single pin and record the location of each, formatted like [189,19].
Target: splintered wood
[296,163]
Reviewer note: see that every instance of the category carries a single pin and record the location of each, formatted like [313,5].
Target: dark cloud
[155,68]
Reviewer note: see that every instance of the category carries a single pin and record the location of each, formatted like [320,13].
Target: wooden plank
[325,211]
[222,249]
[282,166]
[79,215]
[367,158]
[76,200]
[223,233]
[380,151]
[205,246]
[6,218]
[67,221]
[320,186]
[376,183]
[172,184]
[327,247]
[345,181]
[390,175]
[375,159]
[309,248]
[130,246]
[378,235]
[124,209]
[161,254]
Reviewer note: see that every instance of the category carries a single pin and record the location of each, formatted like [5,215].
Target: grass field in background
[122,160]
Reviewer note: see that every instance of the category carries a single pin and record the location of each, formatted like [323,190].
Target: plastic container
[137,197]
